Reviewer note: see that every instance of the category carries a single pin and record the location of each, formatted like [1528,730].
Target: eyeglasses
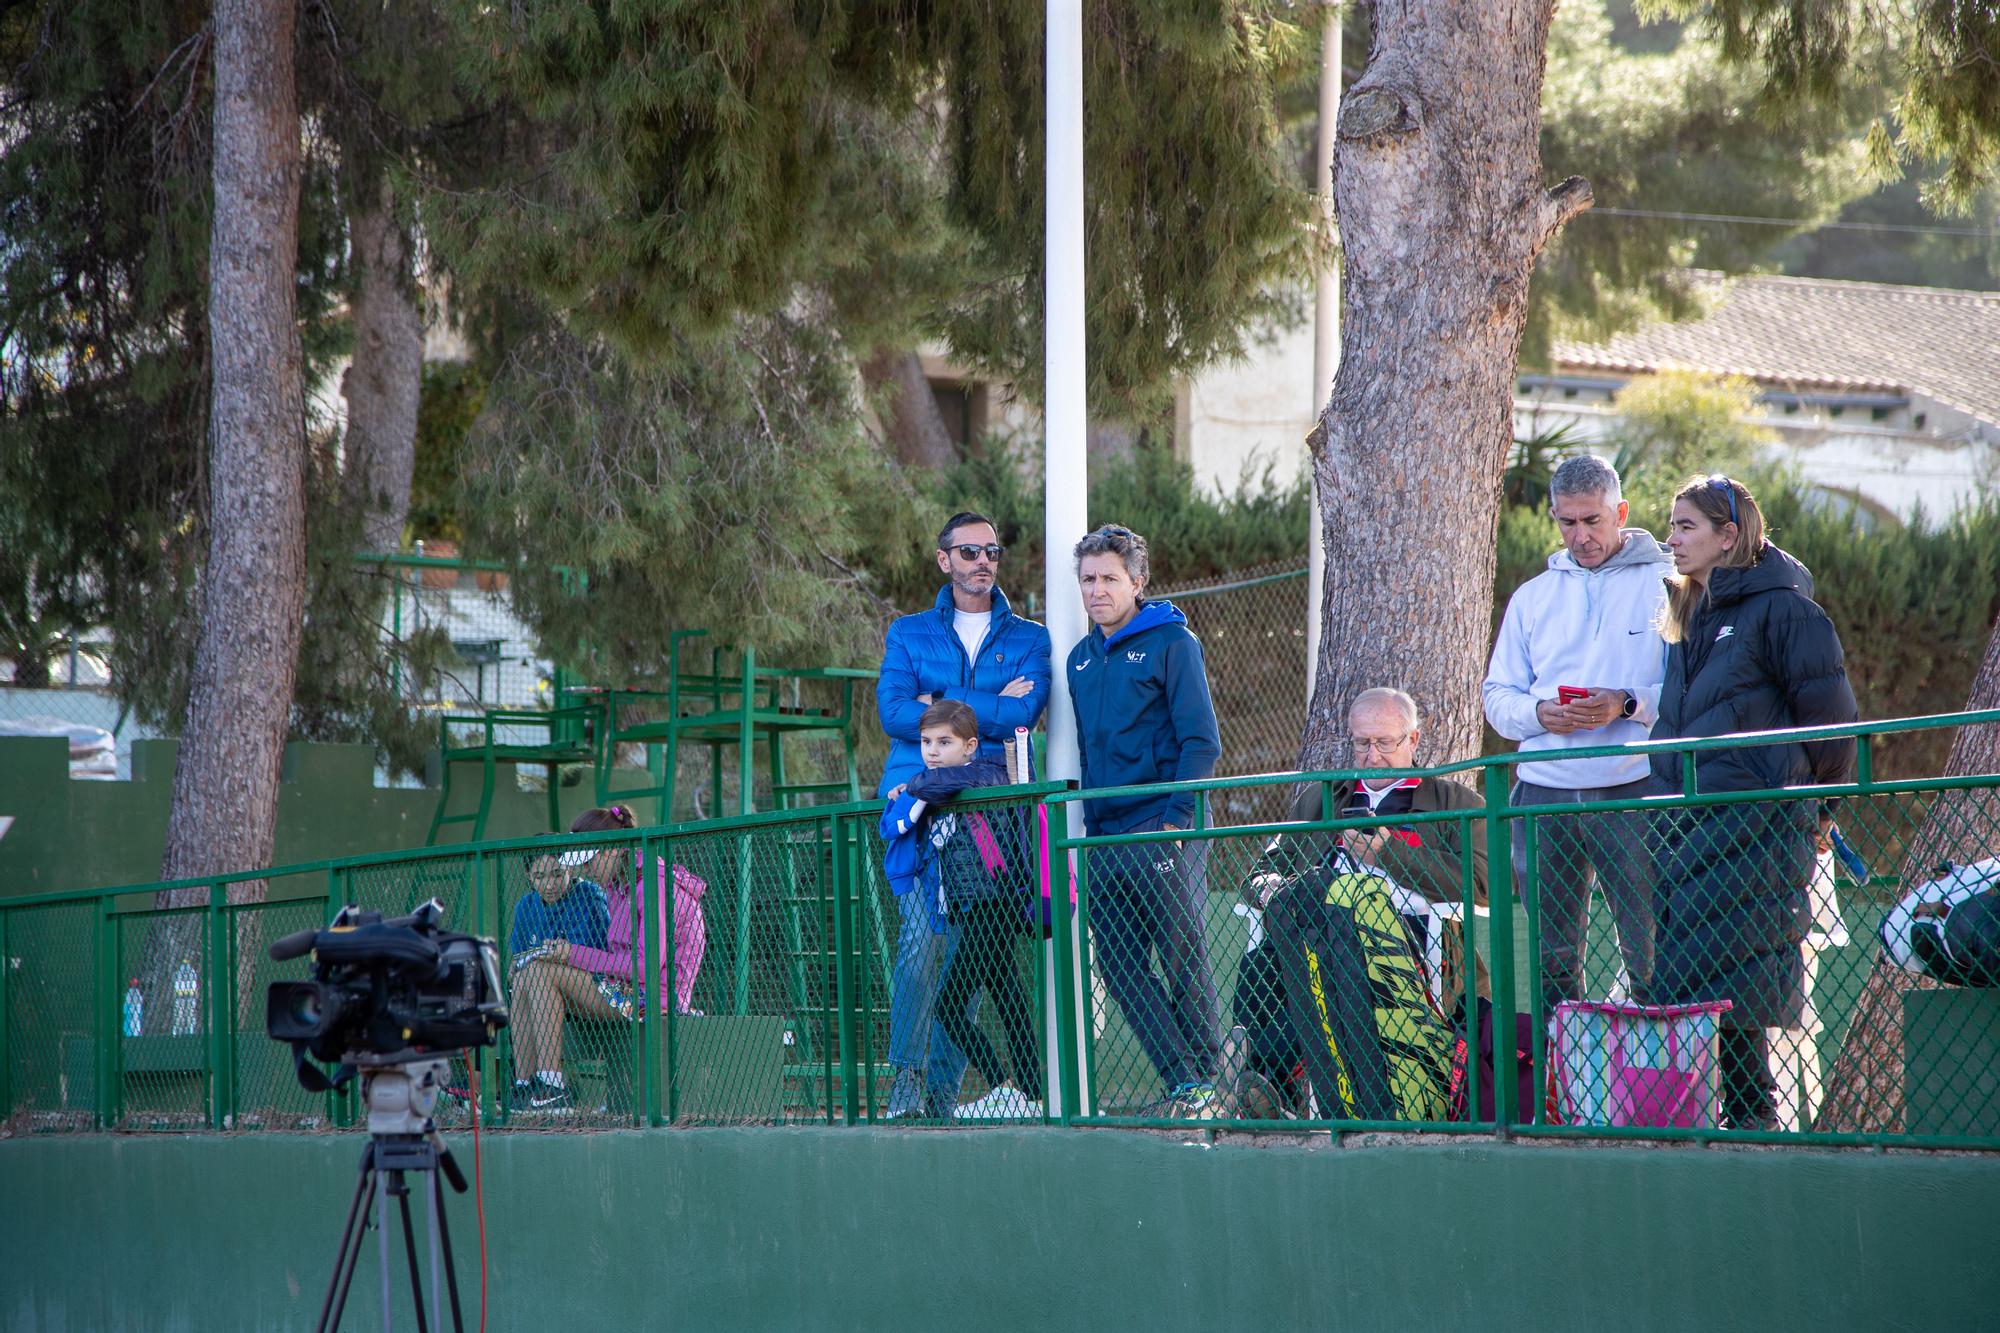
[1381,746]
[970,553]
[1721,483]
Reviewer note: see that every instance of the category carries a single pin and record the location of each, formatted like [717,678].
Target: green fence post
[744,885]
[105,975]
[843,949]
[332,1096]
[476,1058]
[233,1052]
[1086,1023]
[746,738]
[660,1050]
[6,1026]
[1064,975]
[343,1097]
[1531,908]
[220,987]
[1469,982]
[1500,909]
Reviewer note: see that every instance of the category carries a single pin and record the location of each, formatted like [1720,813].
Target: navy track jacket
[1142,715]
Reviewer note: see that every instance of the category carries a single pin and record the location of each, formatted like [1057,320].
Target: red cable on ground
[478,1190]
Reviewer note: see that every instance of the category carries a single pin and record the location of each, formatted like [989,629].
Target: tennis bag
[1375,1050]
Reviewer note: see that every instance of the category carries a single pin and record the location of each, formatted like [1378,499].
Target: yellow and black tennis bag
[1375,1049]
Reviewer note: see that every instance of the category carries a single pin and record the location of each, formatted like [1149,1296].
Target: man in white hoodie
[1578,664]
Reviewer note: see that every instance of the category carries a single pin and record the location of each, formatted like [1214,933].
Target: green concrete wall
[784,1229]
[88,835]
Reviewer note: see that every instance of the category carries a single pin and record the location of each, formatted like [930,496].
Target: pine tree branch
[1558,206]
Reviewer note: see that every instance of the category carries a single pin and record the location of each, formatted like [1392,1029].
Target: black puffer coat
[1730,881]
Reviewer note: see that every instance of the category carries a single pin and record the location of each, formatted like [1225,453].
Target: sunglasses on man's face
[970,553]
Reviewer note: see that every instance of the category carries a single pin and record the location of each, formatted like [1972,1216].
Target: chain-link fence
[462,651]
[483,656]
[1253,642]
[1814,963]
[1762,967]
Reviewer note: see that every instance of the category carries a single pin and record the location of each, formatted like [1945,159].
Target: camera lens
[305,1009]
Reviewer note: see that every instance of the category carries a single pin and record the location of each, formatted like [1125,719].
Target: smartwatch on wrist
[1631,708]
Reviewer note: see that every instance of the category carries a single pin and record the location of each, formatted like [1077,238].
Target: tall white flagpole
[1065,478]
[1065,468]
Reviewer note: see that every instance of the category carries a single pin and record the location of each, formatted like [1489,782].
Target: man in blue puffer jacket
[971,647]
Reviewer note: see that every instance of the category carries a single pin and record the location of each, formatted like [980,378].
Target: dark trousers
[1146,905]
[987,959]
[1573,852]
[1744,1055]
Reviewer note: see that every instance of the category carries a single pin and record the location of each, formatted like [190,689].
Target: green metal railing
[1146,1002]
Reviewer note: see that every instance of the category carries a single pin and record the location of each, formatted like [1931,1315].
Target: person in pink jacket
[560,978]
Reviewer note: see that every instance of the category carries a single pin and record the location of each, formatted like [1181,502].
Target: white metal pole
[1326,324]
[1065,467]
[1065,481]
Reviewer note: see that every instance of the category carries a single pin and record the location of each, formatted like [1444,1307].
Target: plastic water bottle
[187,999]
[135,1010]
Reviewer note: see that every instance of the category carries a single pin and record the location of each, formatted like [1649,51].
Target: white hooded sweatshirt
[1592,628]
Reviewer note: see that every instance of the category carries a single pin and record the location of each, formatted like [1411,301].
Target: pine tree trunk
[1437,183]
[383,382]
[910,416]
[1864,1090]
[225,794]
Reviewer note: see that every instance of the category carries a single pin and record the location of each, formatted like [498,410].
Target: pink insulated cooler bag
[1629,1064]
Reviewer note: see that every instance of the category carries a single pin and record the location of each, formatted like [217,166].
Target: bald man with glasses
[1425,861]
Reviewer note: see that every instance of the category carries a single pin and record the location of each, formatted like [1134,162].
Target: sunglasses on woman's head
[970,552]
[1728,488]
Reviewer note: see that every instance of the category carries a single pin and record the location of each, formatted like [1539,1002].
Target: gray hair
[1383,697]
[1585,476]
[1124,543]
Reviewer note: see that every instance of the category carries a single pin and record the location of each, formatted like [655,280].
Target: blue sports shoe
[906,1095]
[1194,1101]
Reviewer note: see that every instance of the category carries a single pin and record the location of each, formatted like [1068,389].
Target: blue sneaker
[906,1095]
[1194,1101]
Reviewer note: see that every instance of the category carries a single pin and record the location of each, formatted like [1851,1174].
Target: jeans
[915,1038]
[987,959]
[1573,852]
[1146,902]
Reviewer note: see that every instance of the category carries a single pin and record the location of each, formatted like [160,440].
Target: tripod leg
[401,1190]
[350,1245]
[433,1201]
[450,1268]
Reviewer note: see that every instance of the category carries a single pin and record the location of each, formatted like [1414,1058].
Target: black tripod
[399,1099]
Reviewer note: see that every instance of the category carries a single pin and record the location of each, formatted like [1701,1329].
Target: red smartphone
[1569,694]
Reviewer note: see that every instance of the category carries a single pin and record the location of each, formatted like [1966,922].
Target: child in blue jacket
[976,869]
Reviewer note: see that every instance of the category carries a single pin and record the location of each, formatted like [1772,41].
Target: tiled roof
[1860,336]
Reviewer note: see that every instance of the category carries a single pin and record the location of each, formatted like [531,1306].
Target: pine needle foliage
[690,163]
[1681,131]
[1945,115]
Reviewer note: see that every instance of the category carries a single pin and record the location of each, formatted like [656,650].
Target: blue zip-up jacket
[1142,715]
[933,851]
[581,916]
[922,655]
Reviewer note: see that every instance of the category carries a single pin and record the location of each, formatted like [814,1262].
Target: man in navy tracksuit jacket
[970,646]
[1143,715]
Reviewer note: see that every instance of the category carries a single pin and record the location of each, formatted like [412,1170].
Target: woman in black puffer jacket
[1747,650]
